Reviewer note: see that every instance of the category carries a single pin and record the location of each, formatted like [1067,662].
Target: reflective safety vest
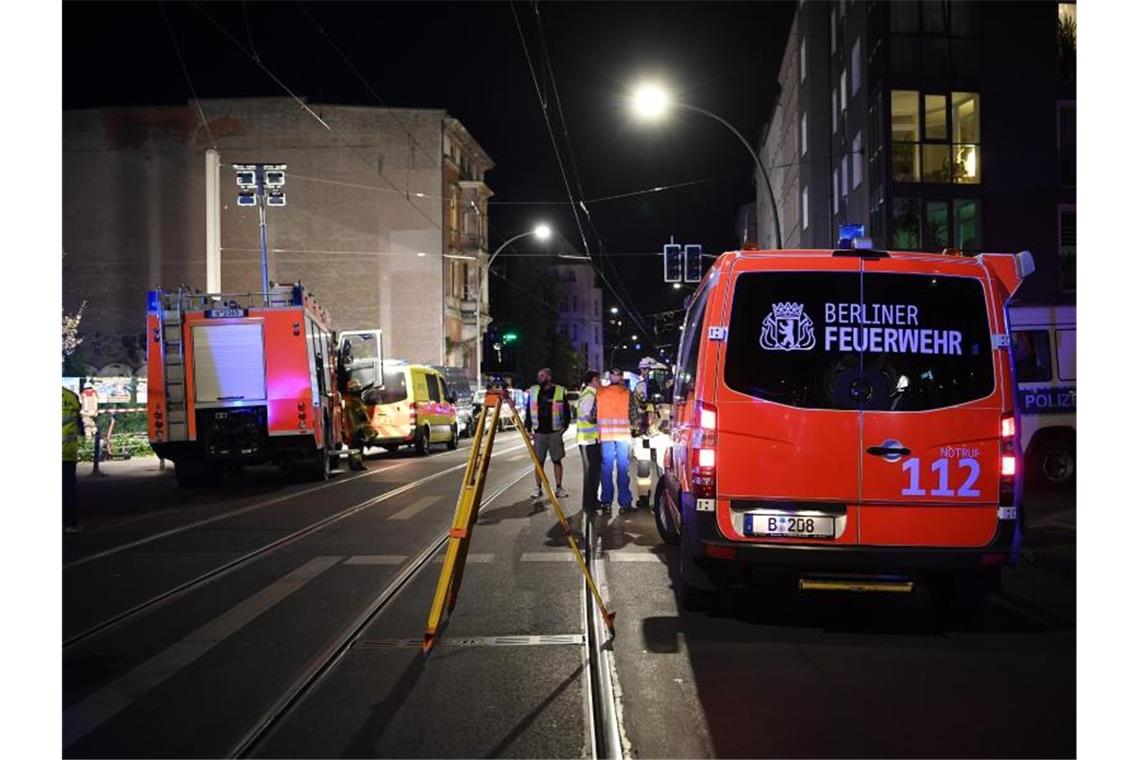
[588,428]
[613,413]
[71,408]
[556,421]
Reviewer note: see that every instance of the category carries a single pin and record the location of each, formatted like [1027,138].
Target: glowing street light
[540,231]
[650,101]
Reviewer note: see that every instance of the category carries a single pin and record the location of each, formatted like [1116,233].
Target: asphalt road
[270,575]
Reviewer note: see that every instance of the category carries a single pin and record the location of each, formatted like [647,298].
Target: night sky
[469,59]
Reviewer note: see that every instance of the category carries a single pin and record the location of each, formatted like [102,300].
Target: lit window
[965,110]
[857,160]
[833,31]
[936,233]
[904,135]
[843,90]
[803,60]
[803,134]
[856,67]
[844,173]
[804,197]
[834,111]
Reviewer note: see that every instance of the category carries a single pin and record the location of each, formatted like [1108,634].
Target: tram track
[160,600]
[119,548]
[325,660]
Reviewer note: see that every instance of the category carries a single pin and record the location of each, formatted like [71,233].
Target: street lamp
[651,101]
[542,232]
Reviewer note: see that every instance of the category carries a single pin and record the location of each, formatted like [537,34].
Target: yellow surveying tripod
[467,510]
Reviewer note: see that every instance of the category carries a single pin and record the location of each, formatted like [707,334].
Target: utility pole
[261,185]
[213,224]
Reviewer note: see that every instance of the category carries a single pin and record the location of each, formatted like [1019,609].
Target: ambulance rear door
[787,435]
[932,413]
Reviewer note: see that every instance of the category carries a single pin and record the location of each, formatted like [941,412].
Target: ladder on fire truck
[171,343]
[467,510]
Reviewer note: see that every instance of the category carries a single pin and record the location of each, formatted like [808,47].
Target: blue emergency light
[854,236]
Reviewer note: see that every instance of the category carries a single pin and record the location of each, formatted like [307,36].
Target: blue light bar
[853,236]
[152,299]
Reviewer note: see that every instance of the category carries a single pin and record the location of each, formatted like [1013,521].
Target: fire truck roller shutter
[229,362]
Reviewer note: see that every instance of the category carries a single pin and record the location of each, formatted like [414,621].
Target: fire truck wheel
[423,440]
[321,466]
[668,534]
[453,443]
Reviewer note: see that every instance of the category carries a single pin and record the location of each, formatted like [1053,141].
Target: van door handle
[882,451]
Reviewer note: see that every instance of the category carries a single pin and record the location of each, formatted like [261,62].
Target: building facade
[936,124]
[580,313]
[386,218]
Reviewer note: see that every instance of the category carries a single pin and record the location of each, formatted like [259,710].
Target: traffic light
[672,255]
[693,266]
[510,337]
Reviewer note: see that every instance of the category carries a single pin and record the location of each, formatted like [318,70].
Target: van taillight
[1008,459]
[412,412]
[703,449]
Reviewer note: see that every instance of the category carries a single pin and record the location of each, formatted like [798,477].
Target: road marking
[413,509]
[480,558]
[632,557]
[376,559]
[85,716]
[564,556]
[576,639]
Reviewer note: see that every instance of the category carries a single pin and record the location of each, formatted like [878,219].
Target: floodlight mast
[251,179]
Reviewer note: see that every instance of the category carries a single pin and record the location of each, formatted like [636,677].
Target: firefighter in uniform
[588,441]
[359,426]
[72,423]
[616,410]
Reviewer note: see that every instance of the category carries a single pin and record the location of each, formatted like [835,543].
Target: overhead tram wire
[186,73]
[574,166]
[305,106]
[562,169]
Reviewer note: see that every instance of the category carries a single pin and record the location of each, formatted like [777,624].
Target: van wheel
[321,466]
[666,531]
[1053,463]
[423,441]
[453,443]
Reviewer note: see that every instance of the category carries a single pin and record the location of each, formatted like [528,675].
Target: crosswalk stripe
[563,556]
[376,559]
[413,509]
[85,716]
[479,558]
[633,557]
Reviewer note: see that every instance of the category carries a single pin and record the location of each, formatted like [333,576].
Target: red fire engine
[241,379]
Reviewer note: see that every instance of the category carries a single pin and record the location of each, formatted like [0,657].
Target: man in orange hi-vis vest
[614,423]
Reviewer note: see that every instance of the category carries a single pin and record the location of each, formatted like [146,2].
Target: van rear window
[841,340]
[395,386]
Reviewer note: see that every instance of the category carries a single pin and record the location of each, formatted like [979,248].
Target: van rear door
[931,428]
[787,433]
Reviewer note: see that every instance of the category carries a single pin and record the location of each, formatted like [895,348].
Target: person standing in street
[72,424]
[616,410]
[547,414]
[588,442]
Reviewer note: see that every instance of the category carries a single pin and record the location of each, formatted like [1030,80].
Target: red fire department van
[241,379]
[846,418]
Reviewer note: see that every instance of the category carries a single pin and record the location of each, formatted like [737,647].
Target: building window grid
[932,143]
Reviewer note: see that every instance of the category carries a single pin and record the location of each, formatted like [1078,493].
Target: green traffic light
[510,337]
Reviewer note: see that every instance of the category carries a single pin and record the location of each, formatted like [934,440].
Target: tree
[71,339]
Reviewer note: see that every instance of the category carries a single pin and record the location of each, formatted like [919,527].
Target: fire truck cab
[845,419]
[241,379]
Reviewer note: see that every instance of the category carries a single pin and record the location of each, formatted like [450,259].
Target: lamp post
[651,101]
[542,232]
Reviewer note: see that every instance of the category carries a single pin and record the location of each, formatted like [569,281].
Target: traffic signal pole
[264,234]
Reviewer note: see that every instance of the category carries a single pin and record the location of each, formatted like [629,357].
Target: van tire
[1053,462]
[695,592]
[422,442]
[664,528]
[453,443]
[321,466]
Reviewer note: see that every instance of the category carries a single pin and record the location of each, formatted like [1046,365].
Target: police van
[1045,366]
[846,418]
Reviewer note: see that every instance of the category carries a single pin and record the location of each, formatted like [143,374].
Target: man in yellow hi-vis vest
[588,442]
[548,414]
[72,424]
